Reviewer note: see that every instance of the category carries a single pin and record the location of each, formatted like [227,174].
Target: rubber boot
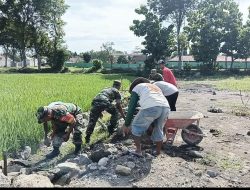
[77,149]
[54,153]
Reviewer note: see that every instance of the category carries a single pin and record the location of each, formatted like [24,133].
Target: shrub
[57,59]
[86,57]
[187,67]
[97,64]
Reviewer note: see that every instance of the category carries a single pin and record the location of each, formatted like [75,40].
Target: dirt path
[226,151]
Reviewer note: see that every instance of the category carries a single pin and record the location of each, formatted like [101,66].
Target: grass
[235,83]
[22,94]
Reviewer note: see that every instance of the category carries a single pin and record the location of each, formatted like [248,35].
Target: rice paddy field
[22,94]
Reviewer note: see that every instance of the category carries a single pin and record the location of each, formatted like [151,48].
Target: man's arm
[119,107]
[46,129]
[131,108]
[70,119]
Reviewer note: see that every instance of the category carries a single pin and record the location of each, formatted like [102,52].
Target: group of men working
[156,98]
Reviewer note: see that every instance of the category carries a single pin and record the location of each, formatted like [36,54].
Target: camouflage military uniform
[103,101]
[62,117]
[156,77]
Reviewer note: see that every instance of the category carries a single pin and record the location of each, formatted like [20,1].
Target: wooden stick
[5,163]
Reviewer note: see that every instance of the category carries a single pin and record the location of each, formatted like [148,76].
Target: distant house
[75,59]
[220,58]
[29,61]
[137,57]
[2,61]
[223,61]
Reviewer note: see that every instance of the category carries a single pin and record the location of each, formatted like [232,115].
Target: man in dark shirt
[103,101]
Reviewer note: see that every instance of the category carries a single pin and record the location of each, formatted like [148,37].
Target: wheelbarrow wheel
[192,139]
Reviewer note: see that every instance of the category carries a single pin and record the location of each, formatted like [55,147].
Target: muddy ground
[223,155]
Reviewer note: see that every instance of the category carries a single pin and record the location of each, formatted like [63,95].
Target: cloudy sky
[90,23]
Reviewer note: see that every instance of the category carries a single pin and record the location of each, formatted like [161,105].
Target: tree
[244,50]
[159,41]
[101,55]
[231,30]
[110,51]
[122,59]
[204,29]
[32,25]
[175,11]
[87,57]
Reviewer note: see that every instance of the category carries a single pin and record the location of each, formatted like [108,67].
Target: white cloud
[90,23]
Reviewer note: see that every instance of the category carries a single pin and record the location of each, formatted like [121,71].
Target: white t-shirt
[150,96]
[166,88]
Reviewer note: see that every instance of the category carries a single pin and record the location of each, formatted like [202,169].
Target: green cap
[41,113]
[117,83]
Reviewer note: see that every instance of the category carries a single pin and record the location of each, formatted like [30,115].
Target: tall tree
[86,57]
[159,41]
[108,48]
[205,27]
[231,30]
[174,11]
[244,44]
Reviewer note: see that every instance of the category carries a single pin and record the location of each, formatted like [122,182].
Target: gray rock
[131,165]
[112,150]
[124,149]
[98,154]
[107,146]
[4,181]
[67,167]
[212,173]
[84,159]
[102,168]
[122,170]
[93,166]
[195,154]
[103,161]
[26,171]
[65,179]
[128,142]
[248,133]
[14,168]
[25,154]
[32,180]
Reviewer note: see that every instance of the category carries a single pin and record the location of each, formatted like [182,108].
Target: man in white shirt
[170,91]
[154,109]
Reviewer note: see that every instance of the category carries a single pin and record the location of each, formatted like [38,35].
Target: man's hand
[47,141]
[66,137]
[125,130]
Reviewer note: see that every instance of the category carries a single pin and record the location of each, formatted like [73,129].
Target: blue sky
[90,23]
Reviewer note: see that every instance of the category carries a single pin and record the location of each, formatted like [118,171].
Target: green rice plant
[22,94]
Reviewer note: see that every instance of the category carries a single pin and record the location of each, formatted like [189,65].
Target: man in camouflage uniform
[103,101]
[65,118]
[155,76]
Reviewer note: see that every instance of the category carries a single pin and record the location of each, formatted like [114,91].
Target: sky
[90,23]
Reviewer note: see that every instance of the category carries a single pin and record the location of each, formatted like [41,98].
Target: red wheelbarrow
[188,121]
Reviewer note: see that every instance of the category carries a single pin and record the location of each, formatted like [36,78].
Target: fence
[134,67]
[172,65]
